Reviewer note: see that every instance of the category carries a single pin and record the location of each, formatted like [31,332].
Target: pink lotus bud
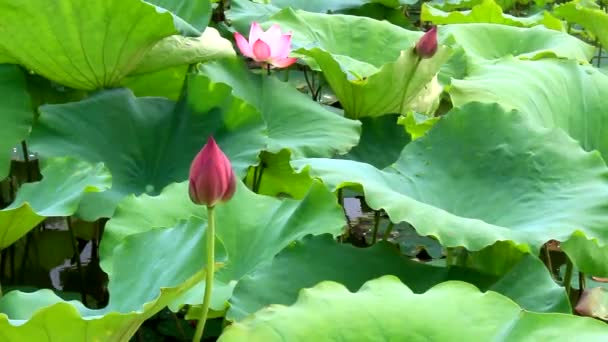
[211,177]
[427,45]
[270,47]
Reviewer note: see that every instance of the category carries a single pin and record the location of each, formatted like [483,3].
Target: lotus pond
[385,170]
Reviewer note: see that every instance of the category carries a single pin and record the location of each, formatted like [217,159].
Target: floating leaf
[148,143]
[482,175]
[72,42]
[65,182]
[330,311]
[320,258]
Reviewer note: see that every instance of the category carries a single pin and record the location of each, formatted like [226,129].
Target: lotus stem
[449,256]
[581,281]
[548,259]
[407,85]
[388,231]
[200,327]
[83,295]
[1,269]
[568,276]
[376,224]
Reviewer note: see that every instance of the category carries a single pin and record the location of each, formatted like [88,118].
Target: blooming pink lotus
[212,179]
[270,47]
[427,45]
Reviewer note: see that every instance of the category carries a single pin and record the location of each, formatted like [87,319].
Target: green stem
[1,268]
[376,224]
[200,327]
[268,69]
[548,259]
[83,295]
[449,256]
[581,282]
[407,85]
[388,231]
[568,276]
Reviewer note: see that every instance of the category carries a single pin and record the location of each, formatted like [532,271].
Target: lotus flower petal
[284,62]
[212,179]
[261,51]
[243,45]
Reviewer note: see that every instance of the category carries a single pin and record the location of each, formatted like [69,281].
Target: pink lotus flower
[269,47]
[211,177]
[427,45]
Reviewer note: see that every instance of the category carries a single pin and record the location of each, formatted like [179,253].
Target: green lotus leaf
[179,50]
[492,41]
[243,12]
[588,14]
[329,311]
[294,121]
[152,255]
[196,13]
[320,258]
[72,42]
[482,175]
[253,228]
[168,82]
[537,89]
[382,140]
[65,182]
[487,11]
[148,143]
[16,113]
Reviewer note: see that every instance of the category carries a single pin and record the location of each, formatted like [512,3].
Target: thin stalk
[200,327]
[178,326]
[449,256]
[568,276]
[311,85]
[407,85]
[255,177]
[268,69]
[582,282]
[376,224]
[388,231]
[258,181]
[548,259]
[26,158]
[1,269]
[83,294]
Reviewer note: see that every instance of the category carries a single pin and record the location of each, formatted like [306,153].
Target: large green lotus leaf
[492,41]
[537,89]
[74,43]
[148,143]
[394,88]
[178,50]
[588,14]
[168,82]
[169,260]
[65,181]
[294,121]
[487,11]
[370,64]
[243,12]
[320,258]
[253,228]
[196,13]
[482,175]
[383,309]
[361,44]
[16,113]
[324,6]
[382,140]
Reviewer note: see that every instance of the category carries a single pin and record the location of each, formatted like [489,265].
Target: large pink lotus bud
[427,45]
[212,179]
[271,47]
